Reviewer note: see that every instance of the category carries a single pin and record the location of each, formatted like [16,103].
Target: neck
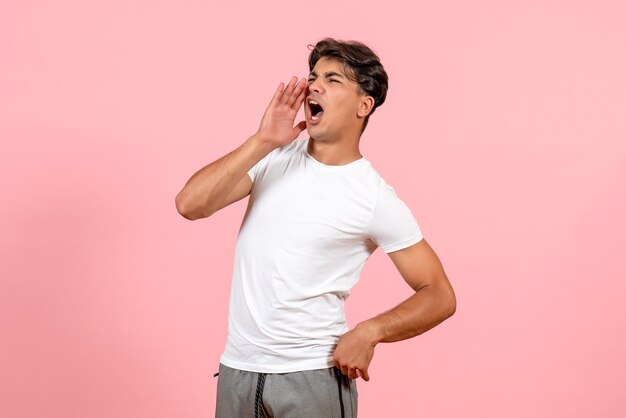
[335,152]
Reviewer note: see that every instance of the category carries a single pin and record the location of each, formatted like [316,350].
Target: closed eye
[312,79]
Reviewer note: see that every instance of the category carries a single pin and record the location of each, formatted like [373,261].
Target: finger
[299,98]
[365,375]
[284,98]
[301,126]
[297,91]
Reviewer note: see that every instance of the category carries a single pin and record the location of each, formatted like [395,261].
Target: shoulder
[382,189]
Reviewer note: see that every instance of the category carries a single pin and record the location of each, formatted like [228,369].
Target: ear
[365,106]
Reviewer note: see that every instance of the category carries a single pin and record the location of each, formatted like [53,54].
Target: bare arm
[207,189]
[225,180]
[433,302]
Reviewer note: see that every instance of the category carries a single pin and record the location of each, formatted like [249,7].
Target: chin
[312,129]
[316,137]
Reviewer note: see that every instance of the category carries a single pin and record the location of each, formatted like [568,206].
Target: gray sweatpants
[320,393]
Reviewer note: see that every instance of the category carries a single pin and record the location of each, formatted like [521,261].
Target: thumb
[365,375]
[301,126]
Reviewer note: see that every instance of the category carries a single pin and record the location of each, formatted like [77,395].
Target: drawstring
[258,402]
[339,378]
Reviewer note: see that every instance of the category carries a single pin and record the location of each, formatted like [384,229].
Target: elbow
[189,211]
[451,309]
[446,302]
[451,304]
[447,298]
[182,207]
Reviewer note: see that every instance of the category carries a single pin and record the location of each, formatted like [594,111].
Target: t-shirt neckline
[355,163]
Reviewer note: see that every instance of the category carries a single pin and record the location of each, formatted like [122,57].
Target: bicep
[241,190]
[419,265]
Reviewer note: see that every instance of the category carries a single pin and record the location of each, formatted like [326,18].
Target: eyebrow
[328,74]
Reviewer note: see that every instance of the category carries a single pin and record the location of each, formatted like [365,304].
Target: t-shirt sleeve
[393,226]
[260,165]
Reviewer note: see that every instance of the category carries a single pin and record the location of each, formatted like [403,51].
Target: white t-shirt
[307,232]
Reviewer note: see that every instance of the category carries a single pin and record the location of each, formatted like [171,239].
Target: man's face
[329,86]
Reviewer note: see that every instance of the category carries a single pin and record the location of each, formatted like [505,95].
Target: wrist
[262,142]
[372,330]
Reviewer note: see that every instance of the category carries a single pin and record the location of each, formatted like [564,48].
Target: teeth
[313,102]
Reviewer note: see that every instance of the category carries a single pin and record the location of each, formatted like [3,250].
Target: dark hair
[360,64]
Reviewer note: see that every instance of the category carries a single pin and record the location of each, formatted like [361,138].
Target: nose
[314,86]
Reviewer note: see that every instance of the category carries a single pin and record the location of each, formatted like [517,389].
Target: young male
[317,211]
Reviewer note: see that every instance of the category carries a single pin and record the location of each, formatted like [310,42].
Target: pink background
[504,131]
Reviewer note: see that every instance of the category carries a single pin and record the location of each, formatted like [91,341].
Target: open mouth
[315,109]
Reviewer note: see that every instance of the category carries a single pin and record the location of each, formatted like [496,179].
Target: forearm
[208,187]
[428,307]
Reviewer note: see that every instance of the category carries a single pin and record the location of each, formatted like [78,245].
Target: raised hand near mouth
[277,127]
